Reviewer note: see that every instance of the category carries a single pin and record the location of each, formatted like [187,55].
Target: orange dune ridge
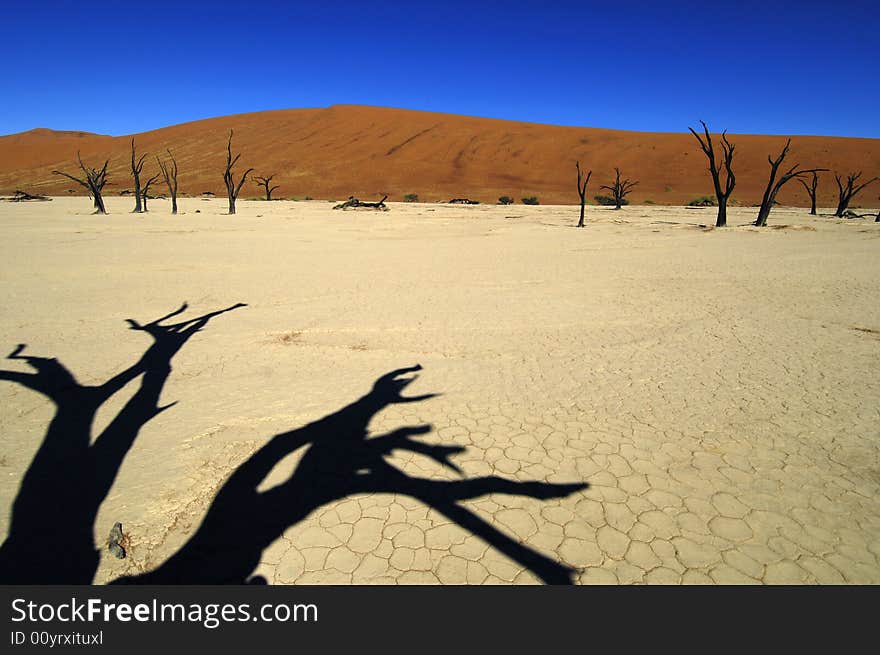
[345,150]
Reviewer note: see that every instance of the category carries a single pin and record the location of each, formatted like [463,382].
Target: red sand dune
[348,150]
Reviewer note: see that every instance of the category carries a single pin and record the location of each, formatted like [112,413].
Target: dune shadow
[51,533]
[341,459]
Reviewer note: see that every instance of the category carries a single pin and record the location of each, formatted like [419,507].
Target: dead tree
[136,168]
[619,190]
[846,192]
[147,188]
[24,196]
[774,185]
[232,189]
[721,192]
[94,182]
[354,203]
[265,182]
[582,190]
[170,176]
[811,191]
[376,205]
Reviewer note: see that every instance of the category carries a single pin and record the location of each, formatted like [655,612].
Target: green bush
[411,197]
[609,201]
[505,200]
[702,201]
[531,200]
[648,202]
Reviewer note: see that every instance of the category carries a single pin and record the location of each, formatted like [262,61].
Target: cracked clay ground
[718,390]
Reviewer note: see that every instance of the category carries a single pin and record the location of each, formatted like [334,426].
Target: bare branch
[75,179]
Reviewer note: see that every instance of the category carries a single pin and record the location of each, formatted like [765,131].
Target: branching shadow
[342,459]
[50,538]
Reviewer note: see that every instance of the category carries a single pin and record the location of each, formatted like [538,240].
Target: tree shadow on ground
[51,533]
[341,460]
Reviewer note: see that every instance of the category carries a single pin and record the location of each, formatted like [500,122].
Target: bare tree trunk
[582,190]
[146,188]
[264,182]
[811,191]
[721,221]
[730,180]
[619,190]
[842,198]
[848,191]
[93,181]
[232,190]
[136,168]
[99,204]
[170,179]
[773,186]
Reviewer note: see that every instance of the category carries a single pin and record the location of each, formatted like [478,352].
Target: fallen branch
[354,203]
[24,196]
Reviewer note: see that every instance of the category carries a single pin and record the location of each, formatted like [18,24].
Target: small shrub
[505,200]
[308,198]
[702,201]
[531,200]
[648,202]
[667,188]
[411,197]
[609,201]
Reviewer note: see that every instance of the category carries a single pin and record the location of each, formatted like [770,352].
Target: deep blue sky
[774,67]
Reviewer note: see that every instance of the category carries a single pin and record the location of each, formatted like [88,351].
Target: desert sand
[343,150]
[717,390]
